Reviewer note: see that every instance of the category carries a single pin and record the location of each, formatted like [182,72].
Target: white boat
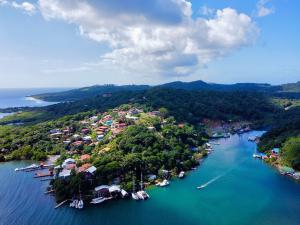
[142,195]
[135,196]
[124,193]
[32,166]
[98,200]
[164,183]
[74,203]
[256,156]
[80,204]
[181,174]
[200,187]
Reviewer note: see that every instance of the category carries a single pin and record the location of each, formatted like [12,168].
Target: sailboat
[134,194]
[142,194]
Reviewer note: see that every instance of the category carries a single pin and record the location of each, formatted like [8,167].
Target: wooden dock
[60,204]
[43,175]
[48,192]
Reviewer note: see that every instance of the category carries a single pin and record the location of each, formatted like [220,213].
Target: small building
[103,191]
[84,167]
[68,161]
[91,170]
[275,150]
[64,174]
[70,166]
[85,131]
[85,157]
[87,138]
[100,137]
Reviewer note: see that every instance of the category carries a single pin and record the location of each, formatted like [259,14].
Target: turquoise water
[247,192]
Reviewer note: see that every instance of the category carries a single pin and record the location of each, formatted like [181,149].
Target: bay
[244,191]
[19,97]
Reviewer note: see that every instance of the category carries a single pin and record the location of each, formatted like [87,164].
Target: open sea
[19,97]
[241,191]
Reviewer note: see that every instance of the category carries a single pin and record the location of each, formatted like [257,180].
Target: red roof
[85,157]
[84,167]
[77,143]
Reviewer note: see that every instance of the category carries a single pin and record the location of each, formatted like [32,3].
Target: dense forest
[285,90]
[185,106]
[285,135]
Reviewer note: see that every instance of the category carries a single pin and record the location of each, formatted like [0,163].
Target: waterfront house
[103,191]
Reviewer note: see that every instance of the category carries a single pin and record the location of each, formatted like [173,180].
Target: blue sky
[51,43]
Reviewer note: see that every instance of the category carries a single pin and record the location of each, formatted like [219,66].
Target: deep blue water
[247,192]
[17,97]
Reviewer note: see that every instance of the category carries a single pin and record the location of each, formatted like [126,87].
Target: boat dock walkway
[60,204]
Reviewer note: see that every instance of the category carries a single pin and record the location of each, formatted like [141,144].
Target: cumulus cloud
[26,7]
[262,9]
[3,2]
[158,36]
[206,11]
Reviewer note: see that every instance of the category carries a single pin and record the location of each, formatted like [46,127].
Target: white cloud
[3,2]
[206,11]
[158,36]
[26,7]
[263,10]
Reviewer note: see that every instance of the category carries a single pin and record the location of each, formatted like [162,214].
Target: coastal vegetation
[185,106]
[124,136]
[284,136]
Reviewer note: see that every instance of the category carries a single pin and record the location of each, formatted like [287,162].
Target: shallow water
[246,191]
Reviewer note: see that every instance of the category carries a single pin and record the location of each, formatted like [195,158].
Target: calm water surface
[18,97]
[247,191]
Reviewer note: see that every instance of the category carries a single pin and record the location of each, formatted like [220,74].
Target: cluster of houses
[221,129]
[92,131]
[274,155]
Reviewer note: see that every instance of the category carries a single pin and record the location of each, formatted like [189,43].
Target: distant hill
[87,92]
[286,90]
[201,85]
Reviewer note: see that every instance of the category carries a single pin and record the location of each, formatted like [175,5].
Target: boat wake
[210,181]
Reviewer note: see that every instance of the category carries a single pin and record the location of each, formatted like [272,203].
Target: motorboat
[74,203]
[80,204]
[201,187]
[135,196]
[164,183]
[181,174]
[98,200]
[142,195]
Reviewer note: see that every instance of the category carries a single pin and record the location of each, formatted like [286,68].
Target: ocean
[19,97]
[241,190]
